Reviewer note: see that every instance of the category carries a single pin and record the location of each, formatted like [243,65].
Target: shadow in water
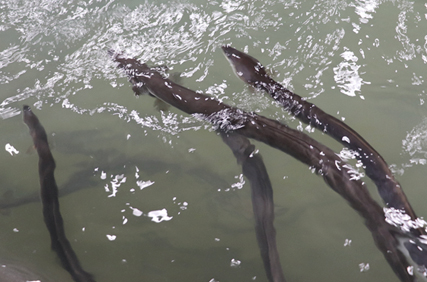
[79,180]
[404,251]
[110,160]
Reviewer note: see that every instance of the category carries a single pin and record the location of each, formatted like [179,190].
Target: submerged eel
[262,201]
[253,73]
[49,196]
[335,172]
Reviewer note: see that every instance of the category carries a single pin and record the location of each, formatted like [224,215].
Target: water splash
[227,119]
[365,8]
[400,219]
[347,74]
[159,215]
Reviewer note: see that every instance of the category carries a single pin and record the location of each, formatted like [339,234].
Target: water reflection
[414,147]
[347,76]
[184,29]
[415,143]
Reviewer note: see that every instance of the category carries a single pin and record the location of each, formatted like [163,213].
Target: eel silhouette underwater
[78,181]
[402,250]
[85,178]
[49,195]
[262,201]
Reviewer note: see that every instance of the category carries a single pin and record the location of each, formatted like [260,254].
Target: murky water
[158,196]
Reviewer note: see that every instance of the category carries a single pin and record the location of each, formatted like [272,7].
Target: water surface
[160,197]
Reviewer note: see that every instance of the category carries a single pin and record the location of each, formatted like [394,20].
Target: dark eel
[335,172]
[262,202]
[49,196]
[253,73]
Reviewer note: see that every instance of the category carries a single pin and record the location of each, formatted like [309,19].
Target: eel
[321,159]
[251,71]
[49,195]
[254,170]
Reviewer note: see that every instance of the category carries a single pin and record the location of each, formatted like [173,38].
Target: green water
[362,61]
